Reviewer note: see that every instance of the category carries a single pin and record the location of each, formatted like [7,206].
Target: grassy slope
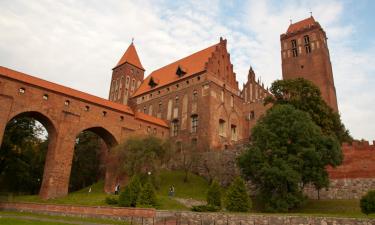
[196,188]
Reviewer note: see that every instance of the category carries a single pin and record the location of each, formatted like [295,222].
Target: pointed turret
[127,75]
[130,56]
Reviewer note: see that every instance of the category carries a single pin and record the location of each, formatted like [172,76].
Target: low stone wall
[348,188]
[136,215]
[193,218]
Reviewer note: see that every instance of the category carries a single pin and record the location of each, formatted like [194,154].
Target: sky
[77,43]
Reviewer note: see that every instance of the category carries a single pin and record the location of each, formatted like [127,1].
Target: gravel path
[50,220]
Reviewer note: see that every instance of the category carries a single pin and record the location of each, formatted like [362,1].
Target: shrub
[111,200]
[205,208]
[147,196]
[214,194]
[128,198]
[368,203]
[237,199]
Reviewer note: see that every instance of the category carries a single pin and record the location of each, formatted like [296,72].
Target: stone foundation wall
[194,218]
[348,188]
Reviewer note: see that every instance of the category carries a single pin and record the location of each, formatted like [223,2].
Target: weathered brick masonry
[65,113]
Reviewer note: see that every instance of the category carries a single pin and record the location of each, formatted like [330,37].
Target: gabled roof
[191,65]
[130,56]
[294,27]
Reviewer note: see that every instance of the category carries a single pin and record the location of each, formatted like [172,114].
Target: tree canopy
[305,96]
[140,155]
[288,151]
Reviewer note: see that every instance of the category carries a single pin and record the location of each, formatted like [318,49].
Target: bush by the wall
[147,197]
[368,203]
[129,197]
[237,198]
[111,200]
[205,208]
[214,194]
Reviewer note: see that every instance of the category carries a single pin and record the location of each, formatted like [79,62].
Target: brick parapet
[97,211]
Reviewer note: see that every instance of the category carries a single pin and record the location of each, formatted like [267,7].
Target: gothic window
[121,82]
[294,48]
[144,109]
[194,123]
[174,128]
[195,95]
[222,96]
[252,115]
[176,101]
[222,127]
[133,84]
[194,142]
[160,106]
[233,132]
[231,101]
[127,81]
[307,44]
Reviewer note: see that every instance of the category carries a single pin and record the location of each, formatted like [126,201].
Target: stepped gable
[189,65]
[306,23]
[130,56]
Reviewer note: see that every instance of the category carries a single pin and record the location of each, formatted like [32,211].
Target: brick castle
[201,90]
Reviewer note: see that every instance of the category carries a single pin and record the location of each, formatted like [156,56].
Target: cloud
[77,44]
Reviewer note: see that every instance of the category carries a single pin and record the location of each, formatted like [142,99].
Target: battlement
[359,145]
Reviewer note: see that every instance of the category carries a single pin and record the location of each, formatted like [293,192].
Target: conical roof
[130,56]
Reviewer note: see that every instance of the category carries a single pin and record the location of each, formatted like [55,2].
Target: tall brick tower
[304,53]
[127,75]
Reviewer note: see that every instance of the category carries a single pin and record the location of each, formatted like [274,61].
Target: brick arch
[104,133]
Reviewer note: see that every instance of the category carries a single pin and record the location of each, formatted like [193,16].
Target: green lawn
[23,218]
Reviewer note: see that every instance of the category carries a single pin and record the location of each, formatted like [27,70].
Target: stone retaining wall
[136,215]
[348,188]
[193,218]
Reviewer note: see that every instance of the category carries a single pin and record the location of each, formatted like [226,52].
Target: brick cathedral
[199,96]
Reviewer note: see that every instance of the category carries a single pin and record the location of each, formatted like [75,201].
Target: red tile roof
[12,74]
[130,56]
[148,118]
[301,24]
[25,78]
[191,64]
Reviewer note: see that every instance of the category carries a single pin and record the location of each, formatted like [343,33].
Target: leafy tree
[86,161]
[367,203]
[139,155]
[237,198]
[288,151]
[214,194]
[147,197]
[305,96]
[190,158]
[22,156]
[129,197]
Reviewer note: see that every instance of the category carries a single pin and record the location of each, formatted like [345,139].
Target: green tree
[86,165]
[214,194]
[139,155]
[367,203]
[22,156]
[288,150]
[147,197]
[237,198]
[129,197]
[305,96]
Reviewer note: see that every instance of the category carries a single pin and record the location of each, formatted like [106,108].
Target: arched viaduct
[65,113]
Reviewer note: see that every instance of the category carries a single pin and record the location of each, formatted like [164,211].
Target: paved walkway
[49,220]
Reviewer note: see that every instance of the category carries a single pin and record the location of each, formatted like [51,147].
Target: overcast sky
[77,43]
